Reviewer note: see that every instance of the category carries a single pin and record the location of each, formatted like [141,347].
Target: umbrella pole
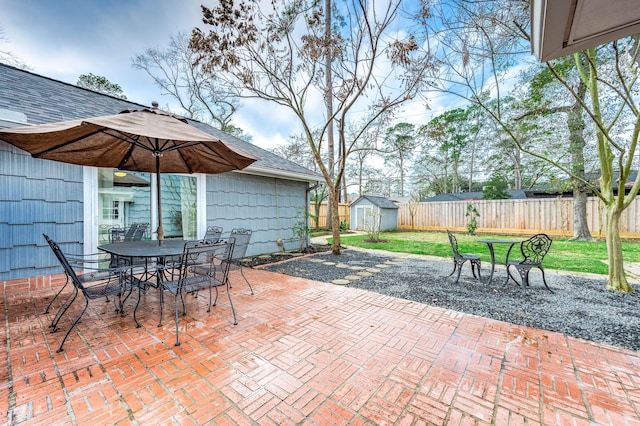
[160,228]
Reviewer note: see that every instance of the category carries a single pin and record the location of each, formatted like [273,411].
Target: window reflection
[124,199]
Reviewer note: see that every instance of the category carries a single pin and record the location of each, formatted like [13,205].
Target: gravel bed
[579,307]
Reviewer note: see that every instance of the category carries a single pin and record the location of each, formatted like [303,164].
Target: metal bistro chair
[213,233]
[460,258]
[241,238]
[533,252]
[203,264]
[93,283]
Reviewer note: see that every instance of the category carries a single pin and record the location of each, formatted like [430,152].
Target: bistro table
[490,244]
[145,249]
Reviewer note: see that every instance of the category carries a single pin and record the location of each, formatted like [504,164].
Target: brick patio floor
[304,352]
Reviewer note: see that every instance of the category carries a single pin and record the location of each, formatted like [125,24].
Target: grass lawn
[564,255]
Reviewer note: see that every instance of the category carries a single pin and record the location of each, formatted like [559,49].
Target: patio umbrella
[146,140]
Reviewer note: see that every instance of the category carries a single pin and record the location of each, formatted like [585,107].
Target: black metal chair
[533,252]
[213,233]
[241,238]
[203,264]
[460,258]
[93,283]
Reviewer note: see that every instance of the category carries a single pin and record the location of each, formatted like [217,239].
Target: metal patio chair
[241,238]
[203,265]
[460,258]
[93,283]
[213,233]
[533,252]
[76,260]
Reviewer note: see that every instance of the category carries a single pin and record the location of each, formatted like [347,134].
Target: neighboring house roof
[516,194]
[28,98]
[382,202]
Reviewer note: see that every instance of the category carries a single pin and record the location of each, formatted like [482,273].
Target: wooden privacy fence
[343,211]
[553,216]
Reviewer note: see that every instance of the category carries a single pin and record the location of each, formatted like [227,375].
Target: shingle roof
[382,202]
[45,100]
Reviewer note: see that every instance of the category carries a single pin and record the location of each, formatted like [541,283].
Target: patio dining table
[148,250]
[490,244]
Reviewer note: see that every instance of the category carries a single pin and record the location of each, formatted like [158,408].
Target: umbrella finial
[154,104]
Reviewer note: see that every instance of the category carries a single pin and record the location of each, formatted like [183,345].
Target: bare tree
[274,52]
[7,56]
[201,95]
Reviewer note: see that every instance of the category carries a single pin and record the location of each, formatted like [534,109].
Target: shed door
[364,215]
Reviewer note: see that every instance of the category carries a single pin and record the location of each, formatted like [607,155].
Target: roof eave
[269,171]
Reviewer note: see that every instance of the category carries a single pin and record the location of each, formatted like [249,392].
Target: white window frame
[91,213]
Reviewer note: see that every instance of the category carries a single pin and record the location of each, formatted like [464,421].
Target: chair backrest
[535,248]
[241,238]
[454,243]
[213,233]
[57,251]
[140,230]
[128,236]
[204,260]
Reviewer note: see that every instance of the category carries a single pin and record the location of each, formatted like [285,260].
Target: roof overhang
[282,174]
[562,27]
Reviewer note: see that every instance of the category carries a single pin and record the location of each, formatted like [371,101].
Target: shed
[368,208]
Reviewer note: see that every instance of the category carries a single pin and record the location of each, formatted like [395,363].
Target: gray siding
[269,207]
[36,197]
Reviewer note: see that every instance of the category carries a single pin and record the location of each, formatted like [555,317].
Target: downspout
[306,208]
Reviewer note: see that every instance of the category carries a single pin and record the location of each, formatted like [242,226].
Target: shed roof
[382,202]
[45,100]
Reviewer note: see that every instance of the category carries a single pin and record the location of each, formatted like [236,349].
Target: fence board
[343,212]
[550,215]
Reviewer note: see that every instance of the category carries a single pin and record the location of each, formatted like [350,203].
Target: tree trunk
[617,278]
[581,230]
[575,123]
[335,219]
[328,102]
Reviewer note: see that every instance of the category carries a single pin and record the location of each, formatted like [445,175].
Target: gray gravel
[579,307]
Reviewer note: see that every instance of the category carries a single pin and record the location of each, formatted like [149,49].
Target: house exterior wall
[36,197]
[40,196]
[269,207]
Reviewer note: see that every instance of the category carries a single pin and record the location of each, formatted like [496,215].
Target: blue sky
[64,39]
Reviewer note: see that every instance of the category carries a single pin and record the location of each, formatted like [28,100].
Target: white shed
[369,208]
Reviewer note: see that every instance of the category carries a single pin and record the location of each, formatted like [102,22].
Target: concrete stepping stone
[340,282]
[352,277]
[365,274]
[372,270]
[382,265]
[357,268]
[342,265]
[329,263]
[314,260]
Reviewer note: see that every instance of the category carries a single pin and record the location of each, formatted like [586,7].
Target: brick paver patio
[304,352]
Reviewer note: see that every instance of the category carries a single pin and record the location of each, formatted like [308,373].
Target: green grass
[564,255]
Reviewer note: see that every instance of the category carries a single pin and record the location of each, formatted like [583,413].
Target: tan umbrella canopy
[147,140]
